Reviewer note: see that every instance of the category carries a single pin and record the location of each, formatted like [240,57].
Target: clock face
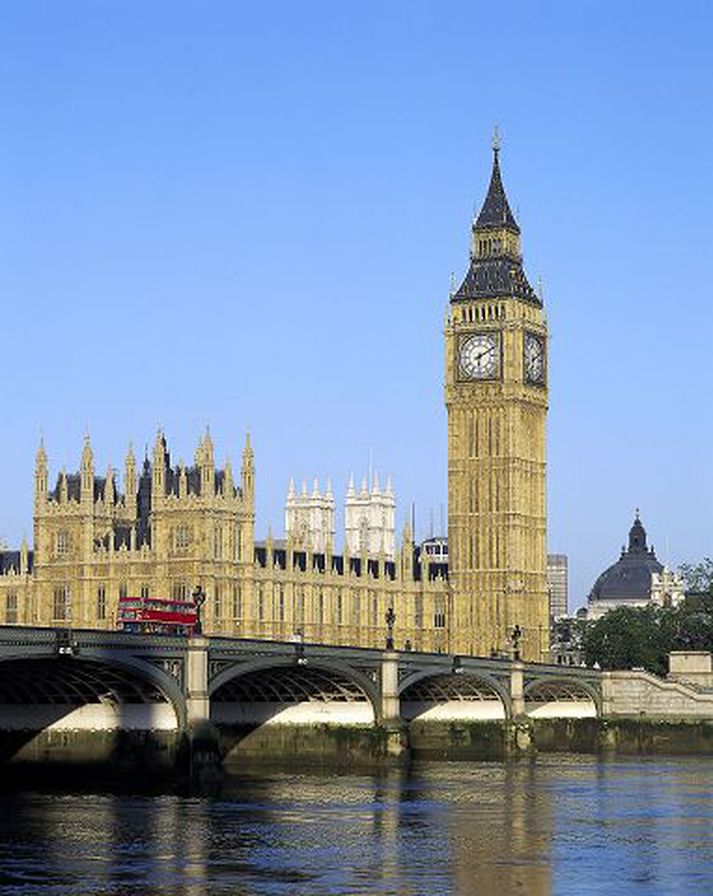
[479,356]
[534,360]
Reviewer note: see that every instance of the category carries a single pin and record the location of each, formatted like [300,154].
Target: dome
[629,579]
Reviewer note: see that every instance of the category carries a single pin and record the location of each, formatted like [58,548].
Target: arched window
[101,603]
[62,543]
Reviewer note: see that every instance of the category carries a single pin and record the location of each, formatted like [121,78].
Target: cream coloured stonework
[208,539]
[496,469]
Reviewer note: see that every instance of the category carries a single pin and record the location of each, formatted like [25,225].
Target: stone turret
[130,483]
[41,474]
[160,463]
[309,518]
[406,553]
[247,473]
[369,519]
[109,489]
[228,485]
[87,473]
[206,466]
[63,488]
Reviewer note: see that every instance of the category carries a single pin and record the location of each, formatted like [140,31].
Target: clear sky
[247,215]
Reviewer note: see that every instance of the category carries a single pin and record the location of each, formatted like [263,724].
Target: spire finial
[496,139]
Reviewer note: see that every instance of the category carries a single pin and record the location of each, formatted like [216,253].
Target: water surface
[570,825]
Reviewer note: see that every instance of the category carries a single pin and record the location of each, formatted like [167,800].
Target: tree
[644,636]
[698,576]
[692,623]
[630,637]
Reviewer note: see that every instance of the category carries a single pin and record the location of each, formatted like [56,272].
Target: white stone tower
[309,517]
[369,519]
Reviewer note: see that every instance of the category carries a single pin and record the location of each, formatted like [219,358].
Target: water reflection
[565,825]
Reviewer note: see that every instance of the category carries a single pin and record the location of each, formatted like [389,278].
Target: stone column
[202,737]
[197,701]
[389,688]
[520,727]
[517,686]
[390,704]
[606,694]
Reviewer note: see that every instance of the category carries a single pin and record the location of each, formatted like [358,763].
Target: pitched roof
[491,278]
[499,273]
[496,210]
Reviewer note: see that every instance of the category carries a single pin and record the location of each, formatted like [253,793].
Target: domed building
[637,579]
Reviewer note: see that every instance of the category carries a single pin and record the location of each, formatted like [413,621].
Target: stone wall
[640,694]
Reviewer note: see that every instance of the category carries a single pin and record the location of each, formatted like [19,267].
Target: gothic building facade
[171,527]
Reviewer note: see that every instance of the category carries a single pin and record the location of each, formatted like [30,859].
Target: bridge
[75,695]
[89,697]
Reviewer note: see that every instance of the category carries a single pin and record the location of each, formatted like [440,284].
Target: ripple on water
[569,825]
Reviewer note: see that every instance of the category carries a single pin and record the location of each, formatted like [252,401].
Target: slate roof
[493,278]
[630,577]
[435,570]
[10,561]
[497,275]
[496,208]
[74,487]
[299,561]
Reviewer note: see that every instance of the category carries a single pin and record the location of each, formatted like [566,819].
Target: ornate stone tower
[370,519]
[496,397]
[309,518]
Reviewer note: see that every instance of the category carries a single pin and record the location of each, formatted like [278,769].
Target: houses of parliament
[171,527]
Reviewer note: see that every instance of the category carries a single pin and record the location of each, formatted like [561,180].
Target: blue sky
[247,215]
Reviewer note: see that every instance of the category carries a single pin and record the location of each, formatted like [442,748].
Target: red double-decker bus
[157,616]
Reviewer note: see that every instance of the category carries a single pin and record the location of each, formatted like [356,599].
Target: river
[560,825]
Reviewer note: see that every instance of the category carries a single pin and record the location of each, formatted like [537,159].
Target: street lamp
[198,599]
[299,642]
[515,637]
[390,619]
[66,645]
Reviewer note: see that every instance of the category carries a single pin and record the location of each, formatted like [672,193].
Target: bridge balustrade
[89,680]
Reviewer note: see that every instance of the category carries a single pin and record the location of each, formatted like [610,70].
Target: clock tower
[496,397]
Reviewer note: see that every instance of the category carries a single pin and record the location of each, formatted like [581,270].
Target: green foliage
[698,576]
[629,636]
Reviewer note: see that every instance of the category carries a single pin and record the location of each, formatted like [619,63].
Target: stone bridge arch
[461,694]
[562,698]
[157,674]
[87,709]
[290,691]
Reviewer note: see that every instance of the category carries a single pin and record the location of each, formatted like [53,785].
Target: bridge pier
[521,740]
[606,684]
[396,732]
[517,688]
[201,736]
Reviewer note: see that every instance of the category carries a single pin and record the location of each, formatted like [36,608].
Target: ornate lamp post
[515,638]
[198,599]
[390,619]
